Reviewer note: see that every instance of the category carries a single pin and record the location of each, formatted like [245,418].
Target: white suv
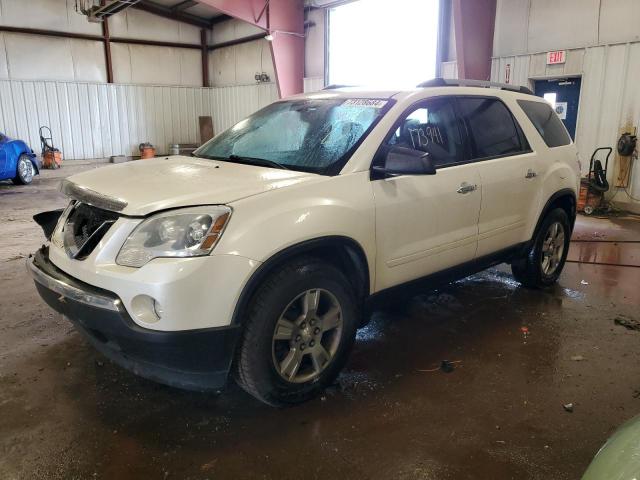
[257,255]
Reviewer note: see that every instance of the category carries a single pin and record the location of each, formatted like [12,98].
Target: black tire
[255,365]
[528,270]
[21,179]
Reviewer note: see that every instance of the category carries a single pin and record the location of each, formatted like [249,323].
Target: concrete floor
[65,412]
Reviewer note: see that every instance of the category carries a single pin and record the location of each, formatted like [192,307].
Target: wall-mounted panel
[222,67]
[249,61]
[28,57]
[534,26]
[190,67]
[88,61]
[555,25]
[230,30]
[238,64]
[31,56]
[510,33]
[59,15]
[150,65]
[91,120]
[619,20]
[121,61]
[133,23]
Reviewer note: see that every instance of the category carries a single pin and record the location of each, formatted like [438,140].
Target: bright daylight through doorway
[383,44]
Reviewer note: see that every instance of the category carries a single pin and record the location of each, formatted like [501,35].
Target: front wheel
[300,329]
[543,263]
[24,171]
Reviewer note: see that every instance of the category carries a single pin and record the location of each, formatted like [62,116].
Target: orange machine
[51,156]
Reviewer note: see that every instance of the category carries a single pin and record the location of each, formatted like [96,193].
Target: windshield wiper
[255,161]
[263,162]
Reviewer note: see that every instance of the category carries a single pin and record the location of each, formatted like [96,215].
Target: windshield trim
[330,170]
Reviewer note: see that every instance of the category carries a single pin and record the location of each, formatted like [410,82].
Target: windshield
[313,135]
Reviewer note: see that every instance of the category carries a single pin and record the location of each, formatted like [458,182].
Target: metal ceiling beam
[179,7]
[51,33]
[98,38]
[166,12]
[238,41]
[246,10]
[220,18]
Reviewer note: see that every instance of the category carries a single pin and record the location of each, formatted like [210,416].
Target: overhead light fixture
[269,37]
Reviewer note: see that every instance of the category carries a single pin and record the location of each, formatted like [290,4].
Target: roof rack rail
[333,86]
[453,82]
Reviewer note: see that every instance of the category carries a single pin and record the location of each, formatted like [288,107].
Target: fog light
[146,309]
[157,308]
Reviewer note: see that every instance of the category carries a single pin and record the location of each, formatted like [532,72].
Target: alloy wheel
[552,248]
[307,335]
[25,168]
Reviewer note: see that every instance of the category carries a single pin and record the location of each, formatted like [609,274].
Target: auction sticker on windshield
[365,102]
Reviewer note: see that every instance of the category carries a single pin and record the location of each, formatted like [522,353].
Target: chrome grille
[83,229]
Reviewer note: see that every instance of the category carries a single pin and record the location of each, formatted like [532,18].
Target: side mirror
[403,161]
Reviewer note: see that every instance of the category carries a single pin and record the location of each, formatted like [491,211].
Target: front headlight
[190,232]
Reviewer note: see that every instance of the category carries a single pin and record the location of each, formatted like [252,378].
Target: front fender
[19,148]
[264,225]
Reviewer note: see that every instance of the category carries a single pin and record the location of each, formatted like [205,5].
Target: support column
[284,21]
[474,22]
[106,40]
[286,25]
[205,58]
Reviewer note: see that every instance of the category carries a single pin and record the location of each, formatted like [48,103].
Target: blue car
[17,161]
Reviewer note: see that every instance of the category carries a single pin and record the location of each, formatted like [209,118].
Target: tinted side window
[431,128]
[491,127]
[547,123]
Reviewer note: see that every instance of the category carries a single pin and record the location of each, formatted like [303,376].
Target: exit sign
[559,56]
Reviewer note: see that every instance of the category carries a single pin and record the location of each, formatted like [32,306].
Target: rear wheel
[300,329]
[24,171]
[543,263]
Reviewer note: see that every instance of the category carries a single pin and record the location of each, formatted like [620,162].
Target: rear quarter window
[546,122]
[493,130]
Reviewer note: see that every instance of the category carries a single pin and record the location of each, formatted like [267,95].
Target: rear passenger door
[508,172]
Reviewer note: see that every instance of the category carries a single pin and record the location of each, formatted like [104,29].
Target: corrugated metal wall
[97,120]
[449,69]
[609,96]
[313,84]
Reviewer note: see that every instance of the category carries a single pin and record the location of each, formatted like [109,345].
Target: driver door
[427,223]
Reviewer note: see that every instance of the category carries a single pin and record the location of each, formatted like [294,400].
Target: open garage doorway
[381,44]
[564,96]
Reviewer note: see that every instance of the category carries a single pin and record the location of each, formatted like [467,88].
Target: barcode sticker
[365,102]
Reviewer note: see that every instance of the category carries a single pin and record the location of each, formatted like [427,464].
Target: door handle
[466,188]
[531,174]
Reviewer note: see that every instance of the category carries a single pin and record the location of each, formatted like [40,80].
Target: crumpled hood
[144,186]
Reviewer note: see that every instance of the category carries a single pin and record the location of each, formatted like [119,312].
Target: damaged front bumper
[190,359]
